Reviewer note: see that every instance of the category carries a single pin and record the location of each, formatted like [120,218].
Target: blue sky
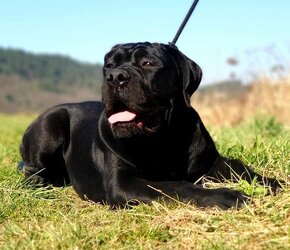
[255,32]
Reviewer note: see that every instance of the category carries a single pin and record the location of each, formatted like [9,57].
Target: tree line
[50,72]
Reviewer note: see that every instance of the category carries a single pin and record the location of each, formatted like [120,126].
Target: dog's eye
[147,64]
[109,65]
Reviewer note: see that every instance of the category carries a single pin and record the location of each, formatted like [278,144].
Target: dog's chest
[161,165]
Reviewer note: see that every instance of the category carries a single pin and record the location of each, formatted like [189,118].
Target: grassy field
[57,219]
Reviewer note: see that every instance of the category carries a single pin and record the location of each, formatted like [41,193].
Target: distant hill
[33,82]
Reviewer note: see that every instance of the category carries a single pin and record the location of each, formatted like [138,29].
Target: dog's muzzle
[118,77]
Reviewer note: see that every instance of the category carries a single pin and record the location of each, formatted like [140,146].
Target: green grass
[57,219]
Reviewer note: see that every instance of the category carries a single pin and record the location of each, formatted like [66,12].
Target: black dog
[143,141]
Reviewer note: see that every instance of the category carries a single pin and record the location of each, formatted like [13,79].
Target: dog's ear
[189,72]
[192,81]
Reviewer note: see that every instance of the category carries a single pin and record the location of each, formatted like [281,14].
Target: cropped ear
[189,71]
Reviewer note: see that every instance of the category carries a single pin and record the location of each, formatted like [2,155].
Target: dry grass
[263,98]
[253,228]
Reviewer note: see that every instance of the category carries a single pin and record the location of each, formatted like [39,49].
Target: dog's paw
[275,186]
[21,167]
[31,174]
[223,198]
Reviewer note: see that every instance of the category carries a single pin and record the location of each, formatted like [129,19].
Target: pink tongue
[124,116]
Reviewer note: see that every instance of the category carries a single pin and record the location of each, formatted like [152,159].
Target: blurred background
[51,51]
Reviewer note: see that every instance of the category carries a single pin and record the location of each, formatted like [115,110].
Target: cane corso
[143,142]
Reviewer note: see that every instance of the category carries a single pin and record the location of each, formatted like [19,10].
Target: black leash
[184,22]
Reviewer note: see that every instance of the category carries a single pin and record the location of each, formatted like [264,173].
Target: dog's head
[142,83]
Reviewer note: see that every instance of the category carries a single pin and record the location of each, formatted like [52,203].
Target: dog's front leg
[126,188]
[231,169]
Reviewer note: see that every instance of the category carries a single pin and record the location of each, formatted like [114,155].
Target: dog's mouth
[121,116]
[120,113]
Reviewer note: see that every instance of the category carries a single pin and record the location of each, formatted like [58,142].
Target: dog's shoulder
[89,107]
[70,116]
[75,111]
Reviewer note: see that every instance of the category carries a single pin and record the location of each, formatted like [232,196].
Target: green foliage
[251,189]
[56,218]
[52,72]
[263,143]
[9,98]
[267,127]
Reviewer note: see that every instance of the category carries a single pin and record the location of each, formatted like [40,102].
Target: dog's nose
[118,76]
